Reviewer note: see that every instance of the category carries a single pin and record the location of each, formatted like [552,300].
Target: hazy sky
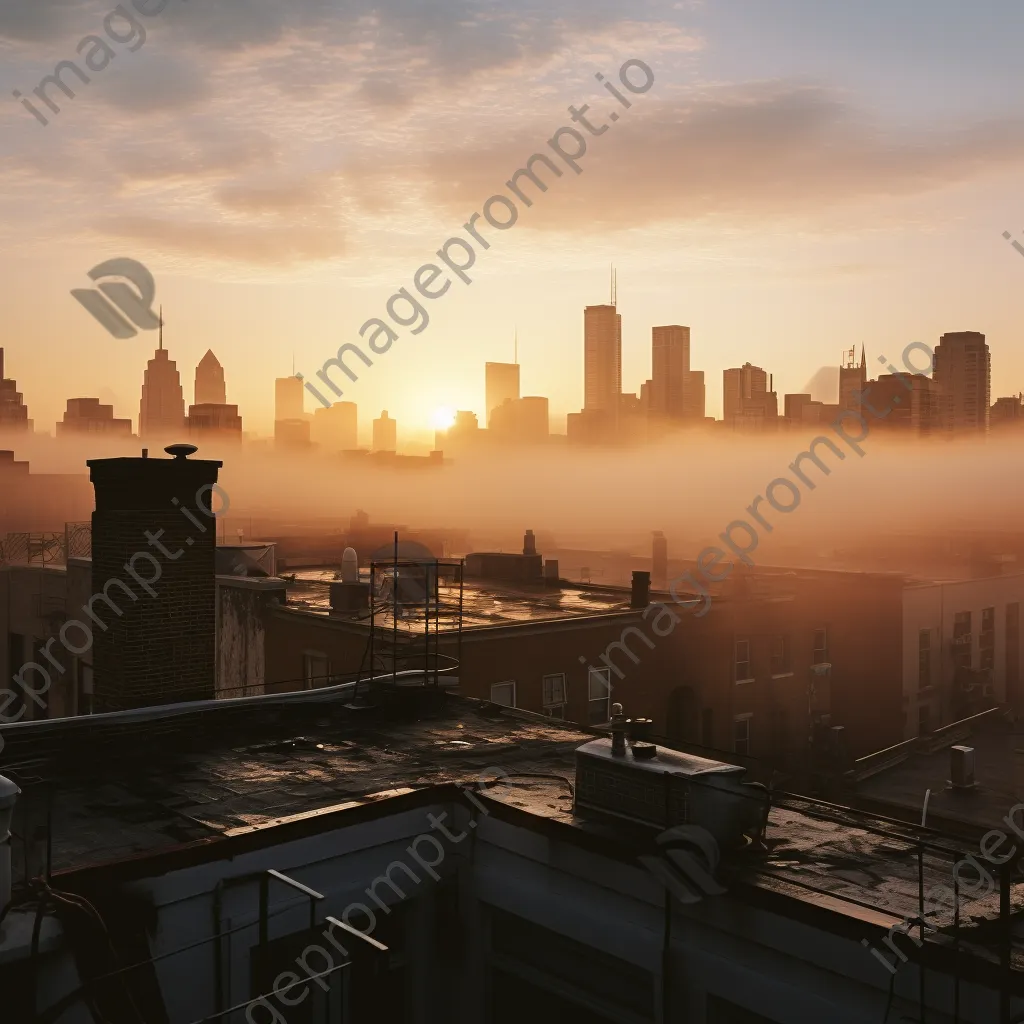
[803,176]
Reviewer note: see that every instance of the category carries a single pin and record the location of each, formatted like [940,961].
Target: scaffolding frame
[412,602]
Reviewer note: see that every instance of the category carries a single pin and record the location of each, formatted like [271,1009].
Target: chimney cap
[181,451]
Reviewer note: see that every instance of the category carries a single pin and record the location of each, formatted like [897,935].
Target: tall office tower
[162,409]
[13,411]
[336,429]
[157,645]
[87,416]
[748,402]
[501,384]
[602,359]
[912,401]
[385,433]
[670,366]
[740,384]
[694,396]
[210,387]
[288,392]
[852,380]
[963,372]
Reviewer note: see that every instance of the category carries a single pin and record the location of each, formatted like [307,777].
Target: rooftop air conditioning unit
[961,767]
[658,787]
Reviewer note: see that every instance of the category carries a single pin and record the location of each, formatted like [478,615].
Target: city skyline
[882,224]
[667,395]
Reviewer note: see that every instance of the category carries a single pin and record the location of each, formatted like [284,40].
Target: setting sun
[443,418]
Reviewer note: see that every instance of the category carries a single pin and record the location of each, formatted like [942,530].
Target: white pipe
[160,711]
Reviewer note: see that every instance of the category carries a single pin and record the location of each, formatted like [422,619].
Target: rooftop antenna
[615,287]
[516,348]
[161,327]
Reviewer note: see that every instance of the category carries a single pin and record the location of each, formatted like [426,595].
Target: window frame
[605,675]
[744,720]
[550,705]
[781,662]
[737,677]
[504,682]
[822,649]
[308,677]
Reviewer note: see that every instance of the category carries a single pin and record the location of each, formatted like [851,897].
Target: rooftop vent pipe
[8,795]
[641,594]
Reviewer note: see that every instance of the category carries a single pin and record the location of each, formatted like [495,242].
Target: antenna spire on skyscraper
[161,327]
[615,286]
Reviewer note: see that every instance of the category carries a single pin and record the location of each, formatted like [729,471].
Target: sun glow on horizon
[443,417]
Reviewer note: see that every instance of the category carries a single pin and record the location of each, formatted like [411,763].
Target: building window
[599,695]
[742,666]
[820,647]
[780,655]
[741,734]
[316,669]
[987,639]
[553,698]
[504,693]
[924,658]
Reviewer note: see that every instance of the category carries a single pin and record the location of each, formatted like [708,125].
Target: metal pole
[437,621]
[462,577]
[923,1010]
[394,618]
[1006,927]
[264,894]
[426,625]
[373,627]
[956,947]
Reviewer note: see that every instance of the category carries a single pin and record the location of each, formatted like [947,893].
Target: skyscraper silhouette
[162,409]
[670,366]
[501,384]
[602,359]
[963,372]
[210,386]
[852,380]
[385,433]
[288,395]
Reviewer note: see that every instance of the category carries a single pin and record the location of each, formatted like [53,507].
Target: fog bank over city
[691,488]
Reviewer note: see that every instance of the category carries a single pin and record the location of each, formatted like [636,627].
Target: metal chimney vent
[961,767]
[668,789]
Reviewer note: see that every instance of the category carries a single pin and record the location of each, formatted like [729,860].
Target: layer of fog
[691,488]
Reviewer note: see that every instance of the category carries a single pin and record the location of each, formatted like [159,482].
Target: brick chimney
[154,542]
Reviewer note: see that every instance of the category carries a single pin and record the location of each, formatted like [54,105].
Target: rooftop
[895,781]
[484,602]
[115,788]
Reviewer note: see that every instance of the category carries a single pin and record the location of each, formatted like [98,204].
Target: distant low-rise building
[88,416]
